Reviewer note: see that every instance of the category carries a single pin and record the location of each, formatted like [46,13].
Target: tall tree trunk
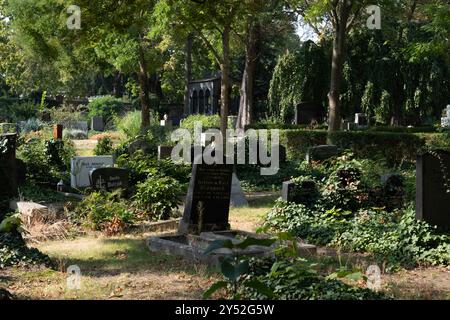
[144,90]
[337,63]
[117,85]
[225,82]
[246,104]
[188,72]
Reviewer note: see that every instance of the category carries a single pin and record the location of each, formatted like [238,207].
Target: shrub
[396,238]
[13,249]
[129,126]
[106,107]
[66,114]
[31,125]
[46,160]
[103,211]
[298,280]
[208,122]
[104,147]
[158,195]
[23,110]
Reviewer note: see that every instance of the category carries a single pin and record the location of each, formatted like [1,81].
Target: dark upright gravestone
[97,123]
[164,152]
[321,153]
[301,192]
[109,179]
[208,199]
[8,171]
[433,189]
[307,112]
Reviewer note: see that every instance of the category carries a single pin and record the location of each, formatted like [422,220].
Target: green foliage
[47,161]
[207,122]
[103,210]
[298,77]
[74,134]
[104,147]
[234,266]
[38,194]
[31,124]
[105,107]
[395,238]
[142,167]
[298,279]
[13,249]
[158,196]
[129,126]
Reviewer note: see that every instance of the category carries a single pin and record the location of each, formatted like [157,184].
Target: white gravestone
[445,121]
[82,166]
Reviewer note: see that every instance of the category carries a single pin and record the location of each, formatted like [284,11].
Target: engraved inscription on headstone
[109,179]
[208,200]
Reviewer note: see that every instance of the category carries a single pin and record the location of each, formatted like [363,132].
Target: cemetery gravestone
[8,172]
[82,166]
[57,132]
[109,179]
[97,124]
[164,152]
[321,153]
[361,120]
[445,121]
[237,194]
[307,112]
[208,199]
[433,189]
[304,192]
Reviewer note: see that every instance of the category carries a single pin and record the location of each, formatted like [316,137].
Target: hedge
[394,147]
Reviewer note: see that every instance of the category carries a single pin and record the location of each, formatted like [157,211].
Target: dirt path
[84,147]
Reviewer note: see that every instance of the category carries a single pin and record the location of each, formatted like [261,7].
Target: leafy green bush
[396,238]
[23,110]
[103,211]
[104,147]
[142,166]
[393,147]
[158,196]
[31,124]
[298,280]
[47,161]
[106,107]
[13,249]
[208,122]
[129,126]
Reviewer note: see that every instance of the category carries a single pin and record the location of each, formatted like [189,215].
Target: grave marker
[97,124]
[109,179]
[82,166]
[208,199]
[432,189]
[164,152]
[8,171]
[57,132]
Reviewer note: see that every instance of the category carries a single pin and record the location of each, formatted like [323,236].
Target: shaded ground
[123,268]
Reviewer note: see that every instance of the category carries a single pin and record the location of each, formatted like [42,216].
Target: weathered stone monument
[109,179]
[237,194]
[433,188]
[307,112]
[208,199]
[361,120]
[97,123]
[8,171]
[321,153]
[445,121]
[58,132]
[164,152]
[303,192]
[82,166]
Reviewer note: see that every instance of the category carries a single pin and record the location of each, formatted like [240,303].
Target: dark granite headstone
[8,171]
[164,152]
[208,199]
[321,153]
[433,189]
[304,192]
[109,179]
[307,112]
[97,124]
